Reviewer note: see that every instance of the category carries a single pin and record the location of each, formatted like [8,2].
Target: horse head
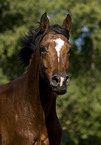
[55,51]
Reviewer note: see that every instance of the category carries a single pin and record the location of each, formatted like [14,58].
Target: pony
[28,104]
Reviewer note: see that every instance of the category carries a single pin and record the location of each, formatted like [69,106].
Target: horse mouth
[60,91]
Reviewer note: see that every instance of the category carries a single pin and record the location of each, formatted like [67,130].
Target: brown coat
[22,120]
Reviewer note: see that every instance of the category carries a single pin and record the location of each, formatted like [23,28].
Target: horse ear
[67,22]
[44,22]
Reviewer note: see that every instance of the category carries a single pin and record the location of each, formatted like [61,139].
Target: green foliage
[79,110]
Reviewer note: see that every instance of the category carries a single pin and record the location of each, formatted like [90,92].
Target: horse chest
[22,126]
[22,134]
[26,125]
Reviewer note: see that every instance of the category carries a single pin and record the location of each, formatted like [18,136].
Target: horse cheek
[67,63]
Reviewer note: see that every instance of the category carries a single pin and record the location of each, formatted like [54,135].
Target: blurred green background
[80,109]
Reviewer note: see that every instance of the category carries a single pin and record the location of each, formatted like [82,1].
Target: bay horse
[28,104]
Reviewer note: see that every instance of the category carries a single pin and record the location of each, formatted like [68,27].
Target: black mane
[32,41]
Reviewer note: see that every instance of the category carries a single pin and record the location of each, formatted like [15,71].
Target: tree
[79,110]
[16,17]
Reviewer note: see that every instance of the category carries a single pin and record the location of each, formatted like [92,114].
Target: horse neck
[33,77]
[33,70]
[47,96]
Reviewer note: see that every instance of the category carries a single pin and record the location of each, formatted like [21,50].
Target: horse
[28,103]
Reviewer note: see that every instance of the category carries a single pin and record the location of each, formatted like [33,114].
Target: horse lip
[59,91]
[62,92]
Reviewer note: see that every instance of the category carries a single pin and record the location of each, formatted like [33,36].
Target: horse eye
[43,49]
[69,51]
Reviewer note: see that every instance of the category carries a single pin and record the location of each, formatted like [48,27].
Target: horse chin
[59,91]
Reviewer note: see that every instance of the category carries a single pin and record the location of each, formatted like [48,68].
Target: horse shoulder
[9,98]
[12,86]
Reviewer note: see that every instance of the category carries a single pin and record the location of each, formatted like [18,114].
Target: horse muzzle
[59,83]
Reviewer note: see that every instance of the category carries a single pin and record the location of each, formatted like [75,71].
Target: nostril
[67,80]
[67,77]
[55,79]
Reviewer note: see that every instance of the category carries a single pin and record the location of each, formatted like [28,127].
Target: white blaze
[61,82]
[59,45]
